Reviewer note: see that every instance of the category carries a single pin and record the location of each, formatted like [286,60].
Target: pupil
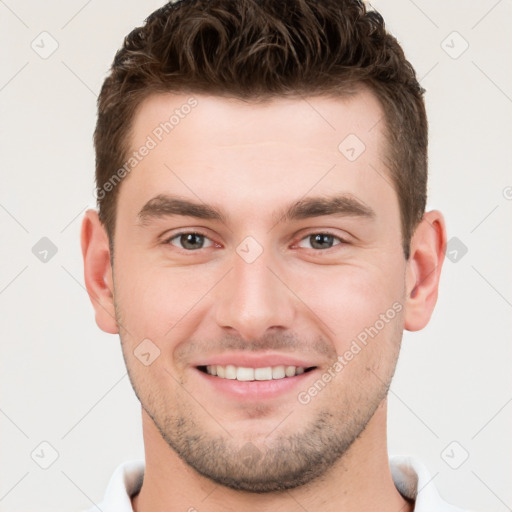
[191,240]
[322,237]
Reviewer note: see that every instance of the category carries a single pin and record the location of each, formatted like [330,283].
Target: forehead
[232,121]
[226,150]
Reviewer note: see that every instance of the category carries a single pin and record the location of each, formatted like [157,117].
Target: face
[255,241]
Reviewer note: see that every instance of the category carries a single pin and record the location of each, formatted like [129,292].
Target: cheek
[349,300]
[155,299]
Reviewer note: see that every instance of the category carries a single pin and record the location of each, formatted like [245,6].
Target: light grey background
[63,380]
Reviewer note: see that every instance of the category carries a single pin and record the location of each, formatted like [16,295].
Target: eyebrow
[343,205]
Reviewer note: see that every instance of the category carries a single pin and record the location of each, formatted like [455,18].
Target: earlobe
[98,271]
[423,272]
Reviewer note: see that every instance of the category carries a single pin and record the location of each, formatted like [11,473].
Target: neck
[359,481]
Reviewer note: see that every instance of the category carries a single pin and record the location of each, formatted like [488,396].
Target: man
[260,246]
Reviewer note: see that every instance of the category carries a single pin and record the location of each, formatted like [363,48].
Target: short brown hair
[264,49]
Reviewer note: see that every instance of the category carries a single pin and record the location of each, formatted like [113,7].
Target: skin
[251,160]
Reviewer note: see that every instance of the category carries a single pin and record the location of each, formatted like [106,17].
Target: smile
[242,373]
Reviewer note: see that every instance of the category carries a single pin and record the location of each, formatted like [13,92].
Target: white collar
[410,476]
[413,481]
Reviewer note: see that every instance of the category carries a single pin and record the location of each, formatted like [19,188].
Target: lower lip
[256,389]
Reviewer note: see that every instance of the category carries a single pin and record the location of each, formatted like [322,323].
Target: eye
[322,241]
[189,240]
[193,241]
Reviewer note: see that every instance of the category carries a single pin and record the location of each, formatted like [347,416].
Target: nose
[253,298]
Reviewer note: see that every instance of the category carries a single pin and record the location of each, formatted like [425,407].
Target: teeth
[289,371]
[243,373]
[263,373]
[278,372]
[230,372]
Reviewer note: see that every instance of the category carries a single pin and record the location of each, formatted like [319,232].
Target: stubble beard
[286,460]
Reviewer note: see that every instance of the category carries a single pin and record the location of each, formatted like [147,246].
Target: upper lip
[255,360]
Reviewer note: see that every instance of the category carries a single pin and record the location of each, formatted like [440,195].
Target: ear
[428,246]
[98,271]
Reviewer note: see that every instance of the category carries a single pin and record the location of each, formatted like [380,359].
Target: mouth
[253,377]
[248,374]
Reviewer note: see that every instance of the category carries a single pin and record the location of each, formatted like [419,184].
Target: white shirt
[410,476]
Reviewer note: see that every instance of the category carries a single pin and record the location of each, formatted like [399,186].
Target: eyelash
[177,235]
